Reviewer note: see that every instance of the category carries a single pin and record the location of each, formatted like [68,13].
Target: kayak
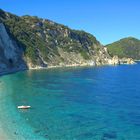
[23,107]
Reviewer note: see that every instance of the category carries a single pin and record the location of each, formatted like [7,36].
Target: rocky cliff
[10,53]
[32,42]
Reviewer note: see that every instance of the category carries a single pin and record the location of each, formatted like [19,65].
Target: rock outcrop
[114,60]
[128,61]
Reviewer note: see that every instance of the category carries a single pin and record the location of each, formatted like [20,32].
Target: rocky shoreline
[114,61]
[108,62]
[120,61]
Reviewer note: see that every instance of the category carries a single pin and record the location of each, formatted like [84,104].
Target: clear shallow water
[100,103]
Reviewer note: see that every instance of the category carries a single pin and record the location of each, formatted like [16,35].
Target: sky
[107,20]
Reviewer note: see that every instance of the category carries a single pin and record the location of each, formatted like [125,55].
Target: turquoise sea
[97,103]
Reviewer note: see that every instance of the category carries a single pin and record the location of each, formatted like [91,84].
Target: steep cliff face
[10,53]
[37,42]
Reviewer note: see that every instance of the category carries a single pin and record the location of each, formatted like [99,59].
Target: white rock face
[127,61]
[130,61]
[10,53]
[114,61]
[6,43]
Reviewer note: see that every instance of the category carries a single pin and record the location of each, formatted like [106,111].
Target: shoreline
[11,71]
[61,66]
[78,65]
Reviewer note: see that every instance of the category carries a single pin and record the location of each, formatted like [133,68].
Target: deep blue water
[99,103]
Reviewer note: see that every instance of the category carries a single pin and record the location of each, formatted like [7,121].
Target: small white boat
[23,107]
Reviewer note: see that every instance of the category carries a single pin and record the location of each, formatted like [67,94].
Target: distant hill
[127,47]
